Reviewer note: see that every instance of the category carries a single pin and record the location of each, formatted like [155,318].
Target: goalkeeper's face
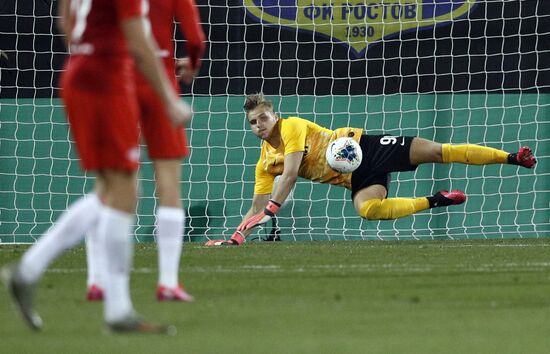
[262,121]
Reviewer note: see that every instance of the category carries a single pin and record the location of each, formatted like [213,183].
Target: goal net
[461,71]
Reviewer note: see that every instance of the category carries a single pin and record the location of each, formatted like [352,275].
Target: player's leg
[95,264]
[170,220]
[71,226]
[68,231]
[114,231]
[95,258]
[166,146]
[117,160]
[426,151]
[371,203]
[371,180]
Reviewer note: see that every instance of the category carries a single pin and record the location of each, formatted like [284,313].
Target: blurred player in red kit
[107,39]
[166,145]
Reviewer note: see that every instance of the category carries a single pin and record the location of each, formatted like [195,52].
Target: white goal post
[452,71]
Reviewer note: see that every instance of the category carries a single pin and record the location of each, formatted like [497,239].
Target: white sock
[170,227]
[67,232]
[95,259]
[114,233]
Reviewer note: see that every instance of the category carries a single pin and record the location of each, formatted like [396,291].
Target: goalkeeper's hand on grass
[270,210]
[236,239]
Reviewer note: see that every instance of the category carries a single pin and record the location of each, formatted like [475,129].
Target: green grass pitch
[483,296]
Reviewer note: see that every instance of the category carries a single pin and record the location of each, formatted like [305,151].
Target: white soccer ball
[344,155]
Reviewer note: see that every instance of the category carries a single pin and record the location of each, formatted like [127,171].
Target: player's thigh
[163,140]
[105,129]
[375,191]
[167,179]
[119,189]
[425,151]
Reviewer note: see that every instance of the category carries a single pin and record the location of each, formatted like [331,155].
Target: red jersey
[100,60]
[164,141]
[161,16]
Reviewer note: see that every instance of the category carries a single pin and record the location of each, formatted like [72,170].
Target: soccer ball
[344,155]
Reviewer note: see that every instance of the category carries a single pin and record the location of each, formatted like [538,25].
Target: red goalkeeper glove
[236,239]
[270,210]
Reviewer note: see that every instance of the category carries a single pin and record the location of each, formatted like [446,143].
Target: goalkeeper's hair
[255,100]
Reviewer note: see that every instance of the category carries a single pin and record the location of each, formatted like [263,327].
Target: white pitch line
[429,244]
[519,245]
[387,268]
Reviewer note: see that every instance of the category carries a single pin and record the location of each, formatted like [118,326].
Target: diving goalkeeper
[295,147]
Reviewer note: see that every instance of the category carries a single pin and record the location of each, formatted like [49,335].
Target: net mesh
[460,72]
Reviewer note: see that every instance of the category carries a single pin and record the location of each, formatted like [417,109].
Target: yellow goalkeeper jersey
[299,134]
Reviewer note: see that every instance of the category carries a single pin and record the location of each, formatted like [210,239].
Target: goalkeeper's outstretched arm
[286,183]
[289,177]
[259,202]
[263,208]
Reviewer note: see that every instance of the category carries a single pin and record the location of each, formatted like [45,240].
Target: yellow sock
[473,154]
[392,208]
